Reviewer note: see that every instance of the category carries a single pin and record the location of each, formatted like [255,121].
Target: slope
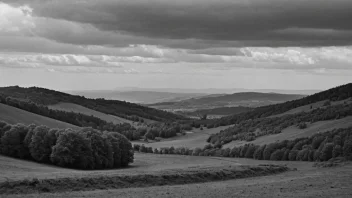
[13,115]
[114,107]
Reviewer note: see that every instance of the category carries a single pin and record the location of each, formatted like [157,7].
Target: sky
[198,44]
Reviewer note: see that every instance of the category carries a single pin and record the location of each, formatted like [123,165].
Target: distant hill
[142,97]
[122,109]
[218,112]
[245,99]
[14,115]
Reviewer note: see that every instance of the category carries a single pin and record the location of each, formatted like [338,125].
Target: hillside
[216,112]
[141,97]
[126,110]
[246,99]
[13,115]
[339,93]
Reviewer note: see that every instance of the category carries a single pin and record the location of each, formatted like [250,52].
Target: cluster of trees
[335,94]
[319,147]
[85,148]
[114,107]
[251,129]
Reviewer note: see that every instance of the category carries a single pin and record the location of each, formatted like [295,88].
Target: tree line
[319,147]
[85,148]
[251,129]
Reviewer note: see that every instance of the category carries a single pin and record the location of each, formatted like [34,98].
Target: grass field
[192,139]
[13,115]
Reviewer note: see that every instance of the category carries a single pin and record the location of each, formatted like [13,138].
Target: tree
[337,151]
[277,155]
[293,155]
[258,153]
[347,148]
[72,150]
[326,152]
[12,142]
[41,143]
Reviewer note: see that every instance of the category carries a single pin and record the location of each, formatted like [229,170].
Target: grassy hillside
[13,115]
[119,108]
[80,109]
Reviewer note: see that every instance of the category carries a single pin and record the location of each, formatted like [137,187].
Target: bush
[196,151]
[250,151]
[127,154]
[347,148]
[302,155]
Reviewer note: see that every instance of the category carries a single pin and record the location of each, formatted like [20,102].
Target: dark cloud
[208,23]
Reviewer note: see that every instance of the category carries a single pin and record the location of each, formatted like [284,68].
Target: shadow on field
[143,180]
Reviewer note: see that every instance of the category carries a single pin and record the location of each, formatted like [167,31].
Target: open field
[13,115]
[293,132]
[83,110]
[313,182]
[192,139]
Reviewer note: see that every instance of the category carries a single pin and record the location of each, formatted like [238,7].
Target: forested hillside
[335,94]
[123,109]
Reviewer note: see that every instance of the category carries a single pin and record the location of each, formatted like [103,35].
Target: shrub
[317,141]
[268,150]
[302,155]
[250,151]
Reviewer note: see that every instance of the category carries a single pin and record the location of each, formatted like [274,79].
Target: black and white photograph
[176,99]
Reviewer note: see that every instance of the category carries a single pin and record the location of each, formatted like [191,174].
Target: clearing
[13,115]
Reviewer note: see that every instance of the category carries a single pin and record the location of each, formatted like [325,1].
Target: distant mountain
[217,90]
[245,99]
[142,97]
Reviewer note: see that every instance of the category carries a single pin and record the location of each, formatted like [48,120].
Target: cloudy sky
[103,44]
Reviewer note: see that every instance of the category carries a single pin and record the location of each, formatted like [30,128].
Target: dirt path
[317,182]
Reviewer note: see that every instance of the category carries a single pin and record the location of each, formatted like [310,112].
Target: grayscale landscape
[155,98]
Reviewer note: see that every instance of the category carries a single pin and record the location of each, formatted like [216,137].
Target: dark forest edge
[85,148]
[319,147]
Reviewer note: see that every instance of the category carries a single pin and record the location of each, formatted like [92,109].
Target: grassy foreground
[144,180]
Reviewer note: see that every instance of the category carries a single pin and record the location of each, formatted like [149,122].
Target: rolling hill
[245,99]
[141,97]
[122,109]
[13,115]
